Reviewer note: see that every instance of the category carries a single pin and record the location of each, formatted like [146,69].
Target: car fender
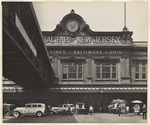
[19,112]
[39,111]
[54,111]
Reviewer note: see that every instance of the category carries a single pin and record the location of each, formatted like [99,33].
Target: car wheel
[8,113]
[51,112]
[39,114]
[16,114]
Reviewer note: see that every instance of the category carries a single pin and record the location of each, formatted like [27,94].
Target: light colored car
[63,108]
[37,109]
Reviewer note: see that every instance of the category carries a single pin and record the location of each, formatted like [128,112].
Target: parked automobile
[37,109]
[63,108]
[8,109]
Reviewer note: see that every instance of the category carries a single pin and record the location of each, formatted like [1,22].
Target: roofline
[140,41]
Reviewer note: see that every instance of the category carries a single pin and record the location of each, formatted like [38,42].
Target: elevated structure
[25,58]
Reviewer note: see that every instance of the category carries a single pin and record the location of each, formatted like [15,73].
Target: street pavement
[78,118]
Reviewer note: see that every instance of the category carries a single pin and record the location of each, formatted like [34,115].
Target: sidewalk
[110,118]
[78,118]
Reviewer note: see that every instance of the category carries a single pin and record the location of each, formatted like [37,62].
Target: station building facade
[95,67]
[90,67]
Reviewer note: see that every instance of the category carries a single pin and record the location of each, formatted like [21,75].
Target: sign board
[84,40]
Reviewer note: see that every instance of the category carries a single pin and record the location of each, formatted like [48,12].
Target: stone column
[89,66]
[55,65]
[125,78]
[123,66]
[89,77]
[127,66]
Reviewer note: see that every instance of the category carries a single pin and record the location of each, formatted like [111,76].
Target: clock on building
[72,26]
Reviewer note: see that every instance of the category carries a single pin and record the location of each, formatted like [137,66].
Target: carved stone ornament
[72,28]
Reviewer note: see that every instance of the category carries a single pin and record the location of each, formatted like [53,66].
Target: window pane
[72,75]
[137,76]
[28,105]
[64,76]
[98,69]
[114,69]
[143,76]
[39,105]
[143,69]
[80,69]
[106,75]
[136,69]
[72,68]
[114,75]
[64,69]
[106,69]
[79,75]
[34,105]
[98,75]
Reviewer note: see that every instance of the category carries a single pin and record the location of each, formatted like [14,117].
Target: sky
[99,16]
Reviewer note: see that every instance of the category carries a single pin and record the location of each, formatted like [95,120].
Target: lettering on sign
[82,40]
[85,52]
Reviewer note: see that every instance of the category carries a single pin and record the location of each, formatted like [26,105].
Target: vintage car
[37,109]
[8,109]
[63,108]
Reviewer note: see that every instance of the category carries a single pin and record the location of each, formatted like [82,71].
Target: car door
[60,107]
[28,109]
[34,109]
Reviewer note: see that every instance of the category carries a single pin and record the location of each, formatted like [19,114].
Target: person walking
[127,109]
[91,109]
[144,110]
[119,109]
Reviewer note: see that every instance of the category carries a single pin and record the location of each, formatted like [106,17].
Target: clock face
[72,26]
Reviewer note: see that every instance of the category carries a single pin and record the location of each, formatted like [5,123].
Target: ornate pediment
[73,31]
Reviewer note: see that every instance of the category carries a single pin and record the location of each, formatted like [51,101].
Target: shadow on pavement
[43,119]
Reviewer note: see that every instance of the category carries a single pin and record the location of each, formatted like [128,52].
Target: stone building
[95,67]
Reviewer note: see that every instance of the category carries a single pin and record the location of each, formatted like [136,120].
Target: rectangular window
[106,71]
[72,71]
[140,70]
[28,105]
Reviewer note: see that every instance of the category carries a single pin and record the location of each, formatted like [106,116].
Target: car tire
[39,114]
[51,112]
[8,113]
[16,114]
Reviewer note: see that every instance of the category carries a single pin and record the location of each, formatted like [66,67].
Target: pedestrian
[110,108]
[77,108]
[144,110]
[119,109]
[69,110]
[100,109]
[127,109]
[91,109]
